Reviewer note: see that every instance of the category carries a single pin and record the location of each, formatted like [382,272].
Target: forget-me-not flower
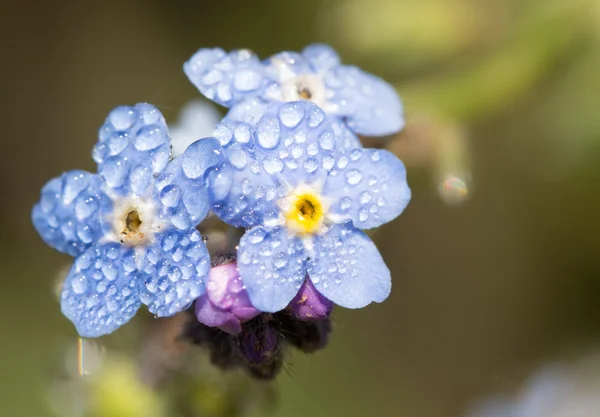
[304,201]
[131,227]
[366,103]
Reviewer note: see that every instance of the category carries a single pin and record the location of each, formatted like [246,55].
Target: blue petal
[182,189]
[367,186]
[174,272]
[67,216]
[293,140]
[133,146]
[240,191]
[370,105]
[225,78]
[344,137]
[348,269]
[291,145]
[321,57]
[272,265]
[100,294]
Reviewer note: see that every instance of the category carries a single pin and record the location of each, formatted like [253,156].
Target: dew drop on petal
[291,114]
[353,176]
[272,164]
[268,132]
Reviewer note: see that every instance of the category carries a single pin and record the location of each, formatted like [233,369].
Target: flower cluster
[285,164]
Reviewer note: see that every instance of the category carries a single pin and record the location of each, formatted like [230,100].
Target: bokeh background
[495,262]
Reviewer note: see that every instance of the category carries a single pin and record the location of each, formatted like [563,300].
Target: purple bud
[225,303]
[309,304]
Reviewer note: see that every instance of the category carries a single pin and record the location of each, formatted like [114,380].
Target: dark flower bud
[307,336]
[260,344]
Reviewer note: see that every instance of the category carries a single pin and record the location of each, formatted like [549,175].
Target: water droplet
[246,80]
[291,114]
[237,157]
[242,133]
[328,162]
[342,162]
[268,132]
[363,214]
[356,154]
[353,176]
[74,183]
[345,203]
[272,164]
[310,165]
[280,260]
[79,283]
[169,196]
[150,137]
[365,197]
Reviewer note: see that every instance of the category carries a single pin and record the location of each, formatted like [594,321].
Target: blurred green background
[495,263]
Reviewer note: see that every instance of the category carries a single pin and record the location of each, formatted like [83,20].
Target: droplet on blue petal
[327,140]
[317,116]
[150,137]
[84,233]
[140,180]
[345,203]
[356,154]
[114,172]
[220,184]
[268,132]
[291,114]
[365,197]
[271,218]
[224,92]
[312,149]
[257,236]
[170,195]
[353,176]
[310,165]
[242,133]
[117,142]
[247,80]
[272,164]
[122,118]
[328,162]
[74,183]
[79,283]
[237,158]
[223,134]
[342,162]
[199,156]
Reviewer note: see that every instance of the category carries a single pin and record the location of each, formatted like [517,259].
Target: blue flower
[131,227]
[366,103]
[305,198]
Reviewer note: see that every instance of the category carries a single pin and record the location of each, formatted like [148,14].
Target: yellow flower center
[306,213]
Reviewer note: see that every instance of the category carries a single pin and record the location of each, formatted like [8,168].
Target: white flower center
[305,87]
[134,221]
